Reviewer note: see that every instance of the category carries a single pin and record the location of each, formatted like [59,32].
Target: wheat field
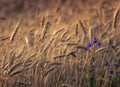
[60,43]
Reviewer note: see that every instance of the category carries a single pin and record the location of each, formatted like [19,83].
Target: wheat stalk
[57,31]
[64,33]
[48,45]
[83,28]
[15,31]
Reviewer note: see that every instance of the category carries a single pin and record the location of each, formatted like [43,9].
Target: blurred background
[70,8]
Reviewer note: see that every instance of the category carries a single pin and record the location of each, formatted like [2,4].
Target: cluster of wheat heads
[56,55]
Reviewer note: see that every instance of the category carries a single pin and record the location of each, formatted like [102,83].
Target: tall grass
[55,54]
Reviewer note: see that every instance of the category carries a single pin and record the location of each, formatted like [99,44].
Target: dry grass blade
[26,40]
[16,72]
[15,31]
[74,44]
[69,53]
[12,58]
[69,37]
[59,56]
[31,64]
[89,35]
[65,85]
[28,63]
[24,83]
[59,30]
[76,31]
[100,49]
[48,45]
[3,38]
[106,40]
[3,62]
[49,70]
[46,26]
[13,67]
[31,38]
[55,63]
[43,21]
[64,33]
[118,53]
[82,47]
[29,58]
[83,28]
[6,66]
[72,53]
[25,76]
[116,18]
[20,52]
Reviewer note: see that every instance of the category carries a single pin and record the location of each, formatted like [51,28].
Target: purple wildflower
[89,46]
[115,64]
[106,63]
[95,40]
[111,71]
[99,44]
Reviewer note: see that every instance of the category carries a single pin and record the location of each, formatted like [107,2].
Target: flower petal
[99,44]
[95,40]
[111,71]
[106,63]
[89,46]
